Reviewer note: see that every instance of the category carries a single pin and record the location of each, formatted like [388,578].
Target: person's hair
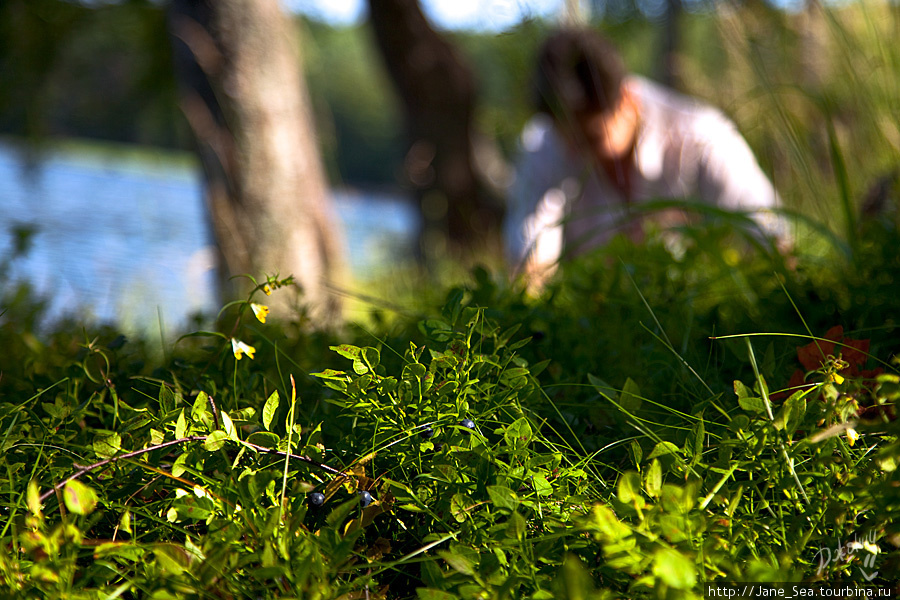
[578,70]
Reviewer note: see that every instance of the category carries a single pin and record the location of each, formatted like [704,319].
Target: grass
[617,450]
[652,422]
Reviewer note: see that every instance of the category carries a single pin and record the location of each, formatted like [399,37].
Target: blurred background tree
[460,212]
[244,95]
[813,90]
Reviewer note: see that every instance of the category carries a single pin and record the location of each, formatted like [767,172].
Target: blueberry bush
[651,423]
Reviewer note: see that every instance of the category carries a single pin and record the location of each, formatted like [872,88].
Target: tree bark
[669,72]
[244,96]
[438,93]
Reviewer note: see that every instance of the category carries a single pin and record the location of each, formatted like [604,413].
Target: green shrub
[593,442]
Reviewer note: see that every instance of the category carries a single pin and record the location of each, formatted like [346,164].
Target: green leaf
[741,390]
[266,439]
[200,411]
[107,445]
[340,512]
[542,487]
[502,497]
[413,371]
[696,440]
[458,562]
[628,488]
[637,453]
[435,329]
[514,378]
[453,304]
[735,501]
[516,345]
[435,594]
[752,404]
[215,440]
[166,399]
[504,337]
[331,374]
[577,583]
[739,423]
[792,412]
[125,522]
[664,449]
[460,504]
[372,356]
[121,551]
[180,425]
[603,388]
[747,399]
[244,415]
[228,425]
[178,467]
[79,498]
[674,569]
[630,398]
[269,409]
[677,499]
[33,497]
[519,434]
[653,479]
[602,519]
[516,526]
[347,351]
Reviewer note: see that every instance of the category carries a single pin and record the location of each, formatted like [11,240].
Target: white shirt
[685,150]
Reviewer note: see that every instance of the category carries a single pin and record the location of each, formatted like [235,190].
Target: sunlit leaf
[216,440]
[458,562]
[674,569]
[107,445]
[33,497]
[503,497]
[653,479]
[269,409]
[519,433]
[79,498]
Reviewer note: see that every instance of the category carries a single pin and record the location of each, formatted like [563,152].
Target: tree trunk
[438,93]
[244,95]
[669,72]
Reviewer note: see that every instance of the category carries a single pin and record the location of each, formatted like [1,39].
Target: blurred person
[605,140]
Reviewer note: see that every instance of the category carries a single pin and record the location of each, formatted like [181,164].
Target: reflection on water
[128,239]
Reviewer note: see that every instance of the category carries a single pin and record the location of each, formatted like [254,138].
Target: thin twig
[103,463]
[215,411]
[193,438]
[305,459]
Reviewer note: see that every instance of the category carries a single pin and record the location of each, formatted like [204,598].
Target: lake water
[124,237]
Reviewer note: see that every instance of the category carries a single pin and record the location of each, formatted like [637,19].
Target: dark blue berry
[468,423]
[427,432]
[317,498]
[365,498]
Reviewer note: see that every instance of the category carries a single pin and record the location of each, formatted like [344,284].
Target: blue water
[126,240]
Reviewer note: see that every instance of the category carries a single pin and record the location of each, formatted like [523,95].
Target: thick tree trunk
[245,98]
[438,94]
[669,72]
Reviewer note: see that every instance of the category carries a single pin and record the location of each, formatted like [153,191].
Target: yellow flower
[852,435]
[260,310]
[267,289]
[836,378]
[240,348]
